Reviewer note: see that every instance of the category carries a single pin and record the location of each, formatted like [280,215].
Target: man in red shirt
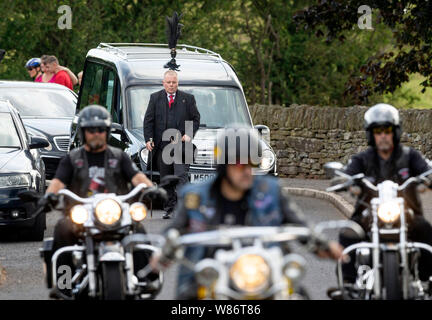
[60,76]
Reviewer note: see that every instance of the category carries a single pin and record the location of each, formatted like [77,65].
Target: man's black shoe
[167,215]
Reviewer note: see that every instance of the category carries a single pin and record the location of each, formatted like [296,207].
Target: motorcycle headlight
[267,160]
[294,266]
[15,180]
[108,212]
[250,273]
[79,214]
[138,211]
[389,212]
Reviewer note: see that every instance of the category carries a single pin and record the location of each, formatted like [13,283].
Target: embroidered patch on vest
[79,163]
[192,201]
[112,163]
[404,173]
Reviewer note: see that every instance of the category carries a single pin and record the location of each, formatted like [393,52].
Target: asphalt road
[24,273]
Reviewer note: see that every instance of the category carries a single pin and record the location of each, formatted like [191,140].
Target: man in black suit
[170,108]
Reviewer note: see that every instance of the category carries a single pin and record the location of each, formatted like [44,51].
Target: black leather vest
[400,163]
[115,182]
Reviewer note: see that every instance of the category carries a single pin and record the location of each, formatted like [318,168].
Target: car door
[101,86]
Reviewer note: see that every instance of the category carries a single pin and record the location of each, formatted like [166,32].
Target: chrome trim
[55,257]
[182,47]
[62,138]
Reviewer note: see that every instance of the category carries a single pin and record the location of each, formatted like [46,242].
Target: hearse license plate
[199,177]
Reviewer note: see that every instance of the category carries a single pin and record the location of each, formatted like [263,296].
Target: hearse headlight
[267,160]
[144,155]
[15,180]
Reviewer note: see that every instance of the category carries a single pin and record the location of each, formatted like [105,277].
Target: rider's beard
[96,144]
[385,146]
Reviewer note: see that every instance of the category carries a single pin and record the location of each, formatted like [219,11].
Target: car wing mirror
[264,132]
[38,142]
[29,196]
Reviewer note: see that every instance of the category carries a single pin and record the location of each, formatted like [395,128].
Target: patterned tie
[171,101]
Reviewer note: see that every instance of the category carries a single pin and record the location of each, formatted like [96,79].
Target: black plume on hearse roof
[173,32]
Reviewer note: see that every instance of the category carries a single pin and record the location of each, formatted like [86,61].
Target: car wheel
[37,232]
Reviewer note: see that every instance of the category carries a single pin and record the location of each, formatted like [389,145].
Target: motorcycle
[103,268]
[387,266]
[248,263]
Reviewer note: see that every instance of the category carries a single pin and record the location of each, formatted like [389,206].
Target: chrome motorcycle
[387,265]
[249,262]
[103,267]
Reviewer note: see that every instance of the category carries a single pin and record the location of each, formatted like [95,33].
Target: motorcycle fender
[112,257]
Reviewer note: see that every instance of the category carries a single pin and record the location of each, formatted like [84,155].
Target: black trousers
[419,230]
[180,170]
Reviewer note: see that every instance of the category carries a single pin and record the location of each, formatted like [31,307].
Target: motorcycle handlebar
[125,197]
[73,196]
[360,178]
[265,234]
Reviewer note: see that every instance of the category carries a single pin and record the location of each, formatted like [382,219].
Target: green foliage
[276,62]
[384,72]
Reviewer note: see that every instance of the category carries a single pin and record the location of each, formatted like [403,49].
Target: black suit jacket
[155,120]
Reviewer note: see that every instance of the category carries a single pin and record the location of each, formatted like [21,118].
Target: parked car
[122,77]
[47,110]
[21,169]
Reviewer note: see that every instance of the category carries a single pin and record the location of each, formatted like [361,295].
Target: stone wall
[306,137]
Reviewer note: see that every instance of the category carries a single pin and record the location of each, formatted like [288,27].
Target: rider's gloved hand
[49,199]
[170,251]
[158,193]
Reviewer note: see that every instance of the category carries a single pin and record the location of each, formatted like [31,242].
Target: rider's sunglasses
[95,129]
[30,68]
[386,130]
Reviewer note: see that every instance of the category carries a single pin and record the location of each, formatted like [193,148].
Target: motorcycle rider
[233,197]
[387,159]
[93,168]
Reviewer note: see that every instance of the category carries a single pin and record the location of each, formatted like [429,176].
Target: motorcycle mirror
[29,196]
[331,167]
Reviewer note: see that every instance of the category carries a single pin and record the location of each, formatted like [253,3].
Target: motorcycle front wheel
[391,275]
[113,281]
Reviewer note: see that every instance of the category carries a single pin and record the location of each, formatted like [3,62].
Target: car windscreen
[43,102]
[218,106]
[8,133]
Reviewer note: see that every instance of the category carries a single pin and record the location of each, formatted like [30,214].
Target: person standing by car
[170,108]
[33,67]
[61,75]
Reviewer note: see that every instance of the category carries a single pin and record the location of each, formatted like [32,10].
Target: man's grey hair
[170,73]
